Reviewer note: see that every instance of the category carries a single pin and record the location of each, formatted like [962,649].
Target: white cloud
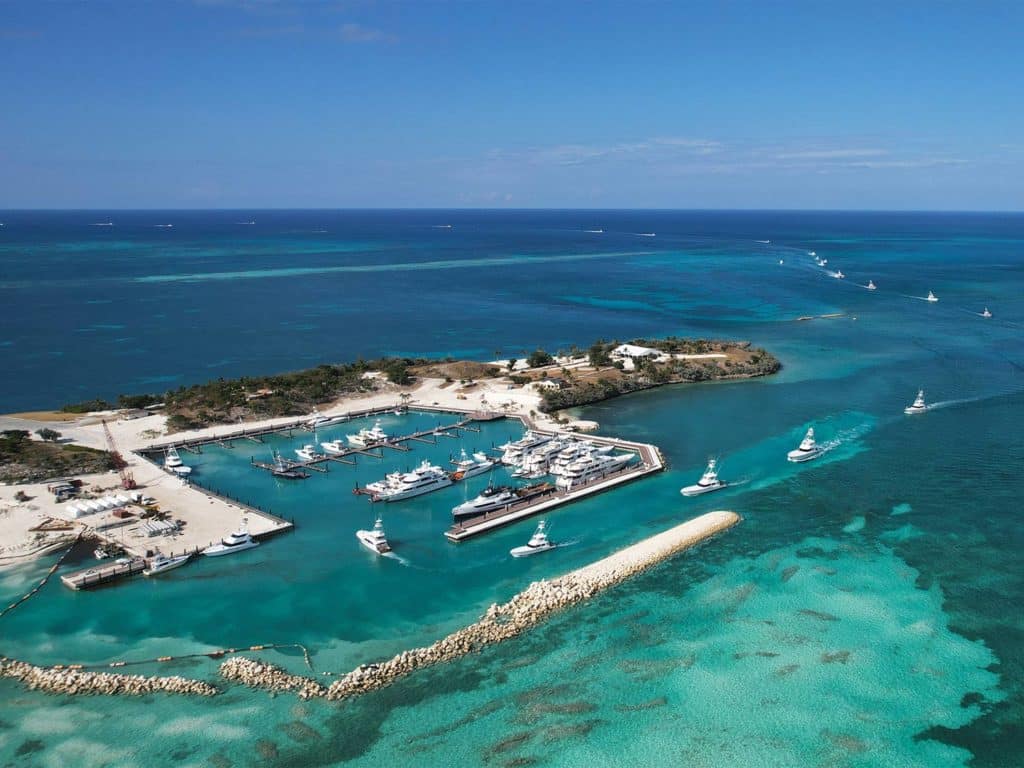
[357,33]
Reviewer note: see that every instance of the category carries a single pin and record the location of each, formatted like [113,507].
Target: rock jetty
[75,681]
[257,674]
[536,603]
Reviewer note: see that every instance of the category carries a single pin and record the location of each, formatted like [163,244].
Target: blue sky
[257,103]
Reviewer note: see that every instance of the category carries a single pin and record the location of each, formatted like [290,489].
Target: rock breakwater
[72,681]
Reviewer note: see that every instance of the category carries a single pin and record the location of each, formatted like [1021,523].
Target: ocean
[864,613]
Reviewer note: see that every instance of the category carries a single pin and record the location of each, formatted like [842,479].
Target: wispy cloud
[830,154]
[18,33]
[357,33]
[579,154]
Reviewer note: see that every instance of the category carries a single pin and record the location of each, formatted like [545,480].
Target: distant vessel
[239,541]
[766,242]
[932,297]
[98,224]
[467,467]
[161,562]
[708,482]
[986,313]
[365,437]
[596,231]
[164,226]
[646,234]
[247,223]
[538,543]
[811,253]
[918,405]
[442,226]
[808,449]
[375,540]
[780,261]
[838,274]
[871,286]
[425,478]
[172,461]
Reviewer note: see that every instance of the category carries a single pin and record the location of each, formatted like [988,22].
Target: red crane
[127,481]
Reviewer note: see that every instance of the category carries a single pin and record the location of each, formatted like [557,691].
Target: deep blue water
[865,613]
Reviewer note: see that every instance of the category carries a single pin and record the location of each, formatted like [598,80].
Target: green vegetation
[24,460]
[609,379]
[87,406]
[49,435]
[538,358]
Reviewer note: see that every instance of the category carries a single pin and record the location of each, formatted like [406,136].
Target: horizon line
[523,209]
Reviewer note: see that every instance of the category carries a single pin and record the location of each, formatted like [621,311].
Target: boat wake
[401,560]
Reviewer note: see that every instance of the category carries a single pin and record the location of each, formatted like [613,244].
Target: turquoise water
[866,612]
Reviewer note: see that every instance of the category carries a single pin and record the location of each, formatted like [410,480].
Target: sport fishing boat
[365,437]
[538,543]
[871,286]
[466,467]
[239,541]
[173,463]
[808,449]
[708,482]
[375,540]
[838,274]
[590,468]
[161,562]
[307,452]
[986,313]
[425,478]
[918,406]
[498,497]
[931,297]
[333,446]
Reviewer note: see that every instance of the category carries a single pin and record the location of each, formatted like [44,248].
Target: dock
[650,462]
[98,575]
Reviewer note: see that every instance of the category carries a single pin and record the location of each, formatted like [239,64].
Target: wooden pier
[650,462]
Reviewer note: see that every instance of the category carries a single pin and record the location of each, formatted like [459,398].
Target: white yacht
[307,452]
[514,452]
[365,437]
[932,297]
[811,253]
[590,468]
[871,286]
[466,467]
[425,478]
[708,482]
[576,450]
[838,274]
[918,406]
[334,446]
[537,462]
[238,541]
[173,462]
[161,562]
[492,497]
[316,419]
[808,449]
[375,540]
[986,313]
[538,543]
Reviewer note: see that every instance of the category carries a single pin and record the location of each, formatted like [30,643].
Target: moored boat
[161,562]
[173,463]
[365,437]
[466,467]
[425,478]
[238,541]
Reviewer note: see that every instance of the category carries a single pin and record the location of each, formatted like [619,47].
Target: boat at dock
[308,452]
[513,453]
[334,446]
[284,471]
[592,467]
[239,541]
[316,419]
[807,450]
[539,542]
[498,497]
[161,562]
[918,406]
[708,482]
[173,463]
[576,449]
[365,437]
[375,540]
[466,467]
[425,478]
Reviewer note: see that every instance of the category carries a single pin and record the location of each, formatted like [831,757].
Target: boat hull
[912,411]
[168,565]
[698,490]
[219,550]
[526,551]
[798,457]
[367,541]
[414,492]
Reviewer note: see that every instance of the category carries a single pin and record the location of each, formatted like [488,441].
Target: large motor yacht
[466,467]
[591,467]
[514,452]
[365,437]
[161,562]
[425,478]
[807,450]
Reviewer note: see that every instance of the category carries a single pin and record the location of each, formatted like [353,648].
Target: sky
[353,103]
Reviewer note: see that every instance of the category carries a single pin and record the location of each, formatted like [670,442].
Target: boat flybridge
[918,406]
[708,482]
[333,446]
[173,463]
[871,286]
[539,542]
[807,450]
[986,313]
[365,437]
[238,541]
[931,297]
[375,540]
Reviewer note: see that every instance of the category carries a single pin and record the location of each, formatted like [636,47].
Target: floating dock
[99,575]
[650,462]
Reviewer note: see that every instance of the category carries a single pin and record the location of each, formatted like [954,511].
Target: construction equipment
[127,481]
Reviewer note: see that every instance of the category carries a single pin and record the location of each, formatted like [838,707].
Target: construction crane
[127,481]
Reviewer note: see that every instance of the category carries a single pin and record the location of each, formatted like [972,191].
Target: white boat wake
[401,560]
